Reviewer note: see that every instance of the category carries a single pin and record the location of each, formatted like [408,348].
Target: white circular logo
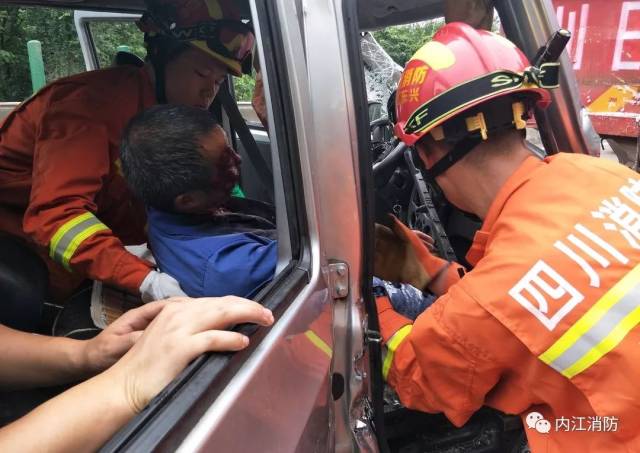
[533,418]
[543,426]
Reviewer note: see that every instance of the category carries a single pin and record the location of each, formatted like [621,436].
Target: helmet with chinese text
[462,68]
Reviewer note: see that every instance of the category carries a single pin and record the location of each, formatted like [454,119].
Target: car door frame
[207,405]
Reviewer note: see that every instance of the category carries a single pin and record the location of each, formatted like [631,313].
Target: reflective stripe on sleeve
[599,330]
[318,342]
[71,234]
[392,346]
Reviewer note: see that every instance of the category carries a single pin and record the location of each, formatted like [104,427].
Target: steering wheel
[381,130]
[387,163]
[421,212]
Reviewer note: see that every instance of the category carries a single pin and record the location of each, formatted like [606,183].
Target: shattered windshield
[385,52]
[382,74]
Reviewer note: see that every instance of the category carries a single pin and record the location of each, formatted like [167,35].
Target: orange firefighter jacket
[546,321]
[61,187]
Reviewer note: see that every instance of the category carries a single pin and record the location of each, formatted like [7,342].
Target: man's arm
[86,416]
[71,163]
[432,364]
[30,360]
[446,278]
[240,264]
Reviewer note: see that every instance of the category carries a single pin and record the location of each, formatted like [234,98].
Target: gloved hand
[158,286]
[401,256]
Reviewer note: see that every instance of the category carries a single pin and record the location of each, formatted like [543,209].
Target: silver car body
[289,391]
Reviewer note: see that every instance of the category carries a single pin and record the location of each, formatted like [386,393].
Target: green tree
[109,35]
[61,52]
[243,87]
[12,60]
[62,55]
[402,41]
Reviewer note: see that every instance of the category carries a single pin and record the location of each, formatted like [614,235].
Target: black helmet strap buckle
[467,131]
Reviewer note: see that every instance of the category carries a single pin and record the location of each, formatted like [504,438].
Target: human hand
[104,350]
[184,329]
[159,286]
[426,240]
[402,256]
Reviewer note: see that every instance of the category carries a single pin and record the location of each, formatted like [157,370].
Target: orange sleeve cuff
[448,276]
[433,265]
[130,271]
[390,321]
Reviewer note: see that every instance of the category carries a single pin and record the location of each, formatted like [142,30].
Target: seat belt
[240,127]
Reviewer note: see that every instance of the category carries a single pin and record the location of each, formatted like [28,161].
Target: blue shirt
[213,255]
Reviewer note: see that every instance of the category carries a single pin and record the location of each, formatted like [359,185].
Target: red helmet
[459,69]
[213,26]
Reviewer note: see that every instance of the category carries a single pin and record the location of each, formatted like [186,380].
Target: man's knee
[23,284]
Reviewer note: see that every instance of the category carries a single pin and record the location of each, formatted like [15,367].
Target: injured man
[178,160]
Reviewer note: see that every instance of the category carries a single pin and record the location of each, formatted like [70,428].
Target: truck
[605,55]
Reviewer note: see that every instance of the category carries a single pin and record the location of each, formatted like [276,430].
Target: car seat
[24,280]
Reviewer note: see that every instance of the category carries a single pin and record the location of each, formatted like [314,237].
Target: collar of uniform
[516,180]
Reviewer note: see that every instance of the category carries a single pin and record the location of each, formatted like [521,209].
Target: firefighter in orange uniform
[61,188]
[545,324]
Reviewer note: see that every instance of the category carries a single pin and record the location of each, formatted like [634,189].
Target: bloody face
[225,163]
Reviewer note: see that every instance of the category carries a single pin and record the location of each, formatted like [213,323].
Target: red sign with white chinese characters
[605,51]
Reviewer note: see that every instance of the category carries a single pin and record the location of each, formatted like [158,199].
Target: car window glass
[110,37]
[243,89]
[62,55]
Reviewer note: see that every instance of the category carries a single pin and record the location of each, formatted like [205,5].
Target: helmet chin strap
[161,92]
[160,69]
[158,55]
[460,149]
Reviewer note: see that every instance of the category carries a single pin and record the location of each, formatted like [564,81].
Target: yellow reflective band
[69,236]
[392,346]
[318,342]
[64,229]
[599,330]
[79,239]
[606,345]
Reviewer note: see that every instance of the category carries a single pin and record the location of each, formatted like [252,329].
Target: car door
[294,388]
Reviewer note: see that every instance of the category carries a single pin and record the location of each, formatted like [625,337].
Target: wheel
[625,149]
